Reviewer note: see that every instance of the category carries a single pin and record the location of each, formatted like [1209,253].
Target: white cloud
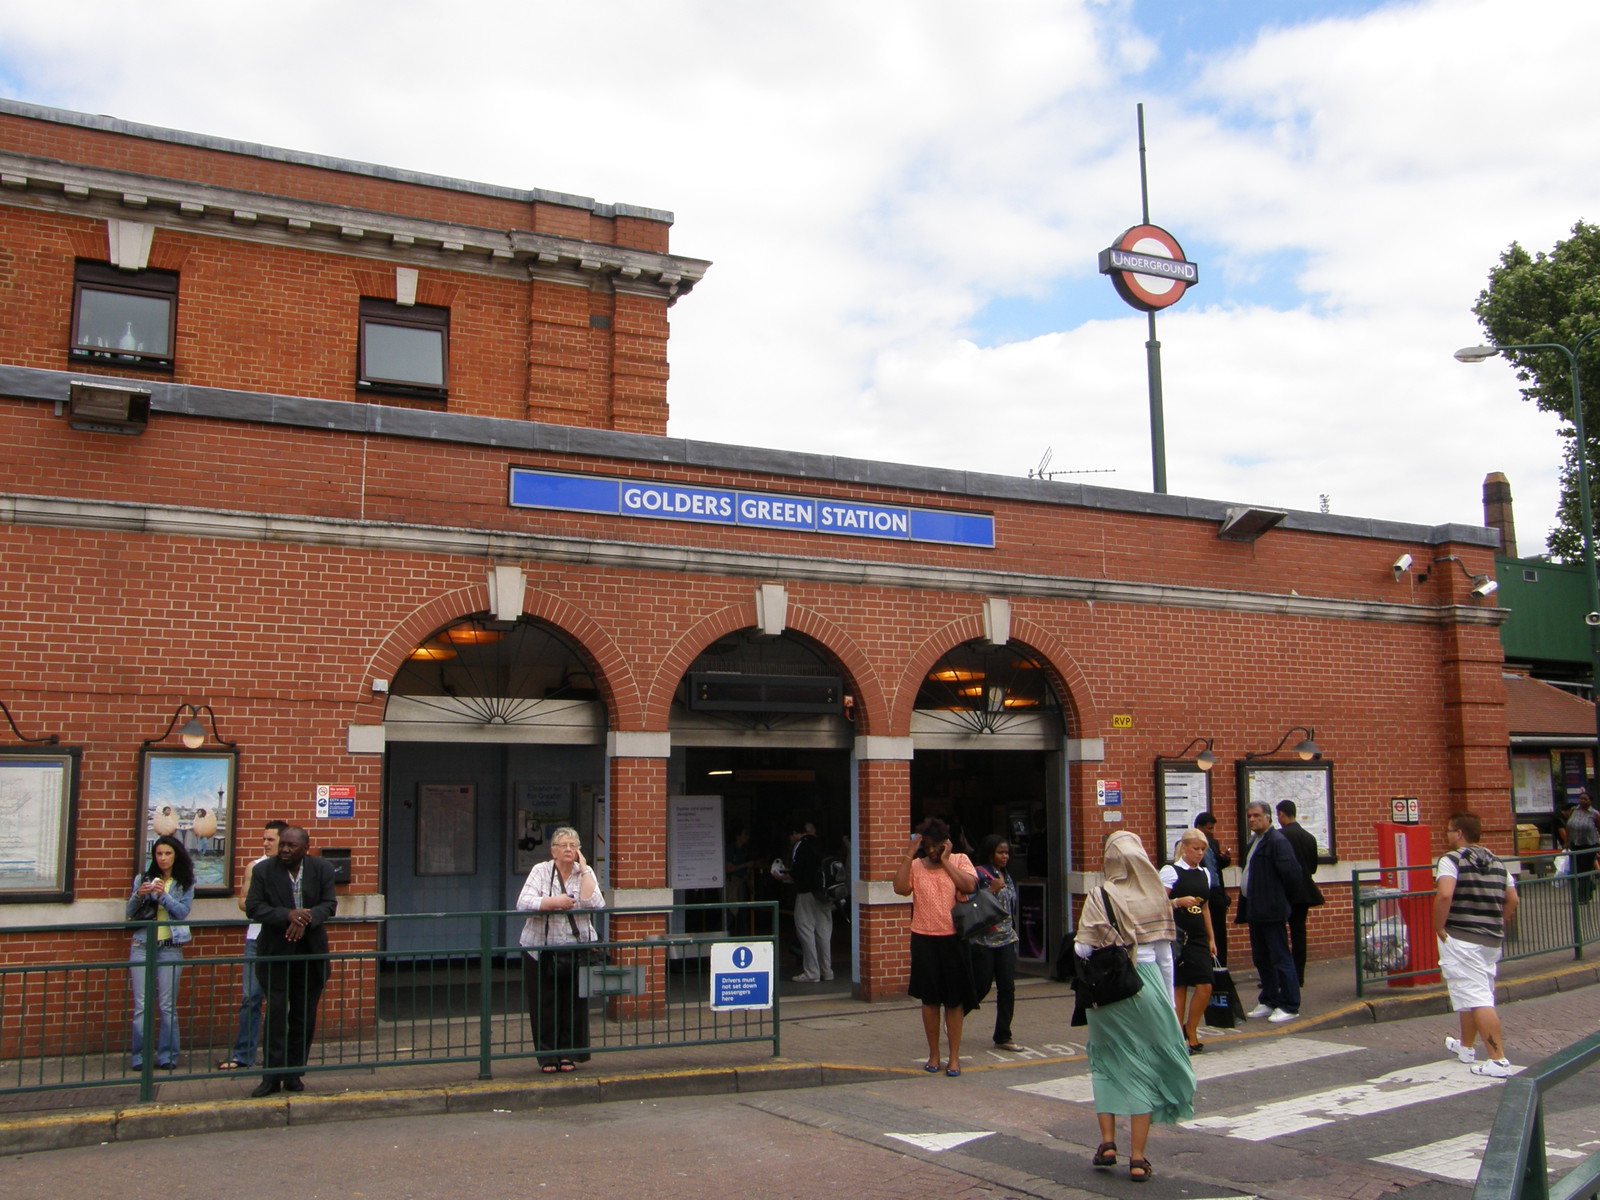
[866,177]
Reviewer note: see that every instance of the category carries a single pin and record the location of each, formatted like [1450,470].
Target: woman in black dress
[1189,887]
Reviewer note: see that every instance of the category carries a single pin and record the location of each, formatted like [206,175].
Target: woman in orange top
[941,971]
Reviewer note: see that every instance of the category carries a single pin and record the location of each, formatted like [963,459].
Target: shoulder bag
[1108,974]
[978,913]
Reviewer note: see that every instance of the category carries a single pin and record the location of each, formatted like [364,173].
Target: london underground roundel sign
[1148,268]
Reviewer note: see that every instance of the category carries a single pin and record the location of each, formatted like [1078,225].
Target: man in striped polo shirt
[1474,900]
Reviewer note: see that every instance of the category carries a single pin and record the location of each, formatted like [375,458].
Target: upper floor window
[405,349]
[123,318]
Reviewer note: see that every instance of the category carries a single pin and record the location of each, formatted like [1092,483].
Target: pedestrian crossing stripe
[940,1141]
[1396,1089]
[1261,1056]
[1457,1158]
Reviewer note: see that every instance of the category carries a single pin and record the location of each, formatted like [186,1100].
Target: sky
[904,202]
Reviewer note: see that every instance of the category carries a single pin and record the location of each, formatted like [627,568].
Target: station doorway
[495,737]
[761,723]
[989,733]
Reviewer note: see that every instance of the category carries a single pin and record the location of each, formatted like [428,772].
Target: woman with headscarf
[1138,1060]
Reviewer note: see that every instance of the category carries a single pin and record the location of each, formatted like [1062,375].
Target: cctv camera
[1402,565]
[1591,618]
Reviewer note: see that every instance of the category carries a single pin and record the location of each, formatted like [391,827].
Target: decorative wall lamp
[1482,585]
[193,733]
[1307,749]
[106,408]
[1205,760]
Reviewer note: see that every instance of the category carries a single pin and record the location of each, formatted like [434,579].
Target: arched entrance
[988,731]
[495,735]
[762,723]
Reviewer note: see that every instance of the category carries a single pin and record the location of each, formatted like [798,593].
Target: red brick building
[371,469]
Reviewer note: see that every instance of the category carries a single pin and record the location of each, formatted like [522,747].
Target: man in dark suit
[1216,861]
[292,897]
[1271,878]
[1304,844]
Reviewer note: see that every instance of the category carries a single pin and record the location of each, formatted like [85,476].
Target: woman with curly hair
[162,893]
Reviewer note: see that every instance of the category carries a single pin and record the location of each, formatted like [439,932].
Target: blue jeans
[1274,963]
[169,959]
[249,1035]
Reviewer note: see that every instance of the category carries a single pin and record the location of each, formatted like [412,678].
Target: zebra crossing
[1292,1067]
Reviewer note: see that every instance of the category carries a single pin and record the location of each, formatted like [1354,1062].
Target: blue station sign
[760,510]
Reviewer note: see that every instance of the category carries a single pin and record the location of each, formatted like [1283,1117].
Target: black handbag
[978,913]
[1108,975]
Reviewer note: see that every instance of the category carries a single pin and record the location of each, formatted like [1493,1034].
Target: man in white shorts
[1474,901]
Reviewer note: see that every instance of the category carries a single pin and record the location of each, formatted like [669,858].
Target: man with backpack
[813,911]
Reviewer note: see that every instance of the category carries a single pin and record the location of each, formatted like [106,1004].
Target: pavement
[826,1037]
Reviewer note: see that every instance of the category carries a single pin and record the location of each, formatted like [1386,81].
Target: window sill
[403,391]
[120,358]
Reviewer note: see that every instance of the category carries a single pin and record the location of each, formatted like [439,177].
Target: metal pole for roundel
[1152,349]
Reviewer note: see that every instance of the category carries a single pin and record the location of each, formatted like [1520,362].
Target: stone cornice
[503,546]
[249,216]
[225,404]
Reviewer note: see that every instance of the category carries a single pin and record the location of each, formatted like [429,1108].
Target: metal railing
[66,1015]
[1514,1166]
[1394,939]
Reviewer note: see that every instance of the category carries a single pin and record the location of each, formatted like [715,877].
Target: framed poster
[1532,785]
[190,794]
[38,823]
[1183,792]
[447,829]
[1308,784]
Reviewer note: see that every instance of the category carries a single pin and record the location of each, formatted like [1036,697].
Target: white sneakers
[1498,1068]
[804,978]
[1465,1053]
[1276,1015]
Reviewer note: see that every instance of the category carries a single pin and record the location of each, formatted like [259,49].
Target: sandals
[228,1064]
[1010,1047]
[1105,1155]
[566,1066]
[1140,1170]
[549,1069]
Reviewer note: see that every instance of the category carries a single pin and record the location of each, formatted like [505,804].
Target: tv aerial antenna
[1042,471]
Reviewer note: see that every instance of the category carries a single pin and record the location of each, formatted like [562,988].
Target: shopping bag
[1224,1011]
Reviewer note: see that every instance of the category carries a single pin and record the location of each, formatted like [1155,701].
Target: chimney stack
[1497,511]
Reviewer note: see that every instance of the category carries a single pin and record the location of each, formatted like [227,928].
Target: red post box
[1401,846]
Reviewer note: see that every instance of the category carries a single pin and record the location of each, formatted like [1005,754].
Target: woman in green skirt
[1138,1060]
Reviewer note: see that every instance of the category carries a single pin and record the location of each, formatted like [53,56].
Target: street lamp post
[1476,354]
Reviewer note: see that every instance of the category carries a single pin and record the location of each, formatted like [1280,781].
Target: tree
[1553,297]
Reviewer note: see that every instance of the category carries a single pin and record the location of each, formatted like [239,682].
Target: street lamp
[1477,354]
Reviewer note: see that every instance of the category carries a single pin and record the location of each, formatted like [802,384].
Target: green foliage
[1553,297]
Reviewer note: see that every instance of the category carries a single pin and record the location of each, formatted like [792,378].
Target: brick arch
[614,680]
[871,704]
[1066,676]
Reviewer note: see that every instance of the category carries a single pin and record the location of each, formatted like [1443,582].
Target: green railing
[66,1013]
[1514,1166]
[1394,940]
